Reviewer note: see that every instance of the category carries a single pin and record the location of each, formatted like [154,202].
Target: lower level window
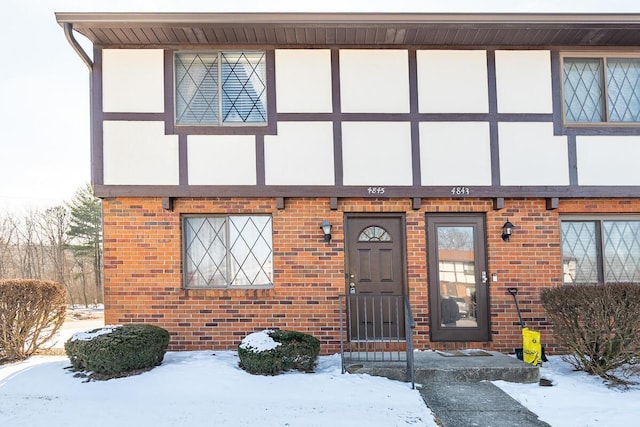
[227,251]
[601,250]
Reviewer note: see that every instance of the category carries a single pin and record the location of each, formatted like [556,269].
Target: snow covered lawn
[203,389]
[577,399]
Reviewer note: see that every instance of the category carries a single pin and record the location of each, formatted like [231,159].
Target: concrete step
[441,366]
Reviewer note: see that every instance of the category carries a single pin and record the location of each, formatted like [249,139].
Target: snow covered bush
[273,352]
[117,351]
[599,325]
[31,313]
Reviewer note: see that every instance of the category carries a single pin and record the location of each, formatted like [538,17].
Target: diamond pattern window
[220,88]
[601,90]
[601,250]
[227,251]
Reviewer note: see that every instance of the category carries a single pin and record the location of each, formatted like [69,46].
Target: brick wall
[142,259]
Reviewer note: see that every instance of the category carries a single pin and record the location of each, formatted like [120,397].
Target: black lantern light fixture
[326,230]
[507,229]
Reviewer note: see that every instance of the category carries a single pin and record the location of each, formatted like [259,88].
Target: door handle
[485,279]
[352,288]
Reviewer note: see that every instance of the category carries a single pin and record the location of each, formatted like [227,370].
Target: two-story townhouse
[452,155]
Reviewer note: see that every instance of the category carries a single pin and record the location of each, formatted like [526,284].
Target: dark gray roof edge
[248,18]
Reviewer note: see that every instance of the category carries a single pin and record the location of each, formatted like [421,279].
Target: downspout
[68,32]
[96,172]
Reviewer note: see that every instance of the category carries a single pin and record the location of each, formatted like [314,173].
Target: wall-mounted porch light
[507,229]
[326,230]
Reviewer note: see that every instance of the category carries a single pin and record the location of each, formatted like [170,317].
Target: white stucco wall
[303,80]
[452,81]
[523,81]
[301,154]
[376,153]
[133,80]
[608,160]
[455,153]
[139,153]
[221,159]
[531,155]
[374,81]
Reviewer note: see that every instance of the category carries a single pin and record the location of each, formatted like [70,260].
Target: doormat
[463,353]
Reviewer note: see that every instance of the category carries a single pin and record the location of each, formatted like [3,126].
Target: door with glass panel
[458,283]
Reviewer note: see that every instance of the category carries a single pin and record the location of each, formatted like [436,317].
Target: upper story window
[601,89]
[218,88]
[600,250]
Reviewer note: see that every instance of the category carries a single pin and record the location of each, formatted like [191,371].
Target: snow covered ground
[206,388]
[203,389]
[577,399]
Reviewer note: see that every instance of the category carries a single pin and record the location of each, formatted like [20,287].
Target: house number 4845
[375,190]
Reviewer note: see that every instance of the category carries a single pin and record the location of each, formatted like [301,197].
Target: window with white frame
[227,251]
[601,89]
[217,88]
[601,250]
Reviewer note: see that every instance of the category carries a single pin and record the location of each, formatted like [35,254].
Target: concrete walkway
[456,386]
[476,404]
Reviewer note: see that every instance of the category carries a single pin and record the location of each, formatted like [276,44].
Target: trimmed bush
[116,351]
[599,325]
[31,313]
[282,351]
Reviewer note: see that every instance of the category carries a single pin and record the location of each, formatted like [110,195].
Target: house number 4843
[460,191]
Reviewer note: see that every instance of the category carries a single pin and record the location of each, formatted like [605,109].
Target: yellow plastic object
[531,347]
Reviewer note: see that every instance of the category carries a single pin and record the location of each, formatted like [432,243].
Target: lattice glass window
[226,251]
[598,90]
[601,251]
[217,88]
[374,234]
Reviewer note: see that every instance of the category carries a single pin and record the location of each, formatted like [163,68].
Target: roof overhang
[355,29]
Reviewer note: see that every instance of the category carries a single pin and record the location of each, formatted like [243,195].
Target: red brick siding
[143,267]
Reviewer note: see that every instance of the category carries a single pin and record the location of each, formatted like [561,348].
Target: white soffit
[523,81]
[531,155]
[301,154]
[376,153]
[139,153]
[608,160]
[374,81]
[133,80]
[303,80]
[455,153]
[222,159]
[452,81]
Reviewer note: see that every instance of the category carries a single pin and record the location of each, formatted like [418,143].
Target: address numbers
[460,191]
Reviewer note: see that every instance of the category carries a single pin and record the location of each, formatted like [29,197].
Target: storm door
[458,283]
[375,273]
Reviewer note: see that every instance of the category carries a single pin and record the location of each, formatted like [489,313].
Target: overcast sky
[44,86]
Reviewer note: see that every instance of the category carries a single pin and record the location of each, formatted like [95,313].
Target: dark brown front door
[375,275]
[458,282]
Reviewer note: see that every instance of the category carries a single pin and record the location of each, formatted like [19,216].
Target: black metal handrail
[374,328]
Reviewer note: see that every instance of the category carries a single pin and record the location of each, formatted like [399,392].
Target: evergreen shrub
[296,351]
[121,351]
[599,326]
[31,313]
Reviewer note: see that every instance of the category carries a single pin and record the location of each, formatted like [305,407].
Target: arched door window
[374,234]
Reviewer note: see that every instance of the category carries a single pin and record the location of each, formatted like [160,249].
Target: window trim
[601,55]
[600,238]
[227,286]
[172,128]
